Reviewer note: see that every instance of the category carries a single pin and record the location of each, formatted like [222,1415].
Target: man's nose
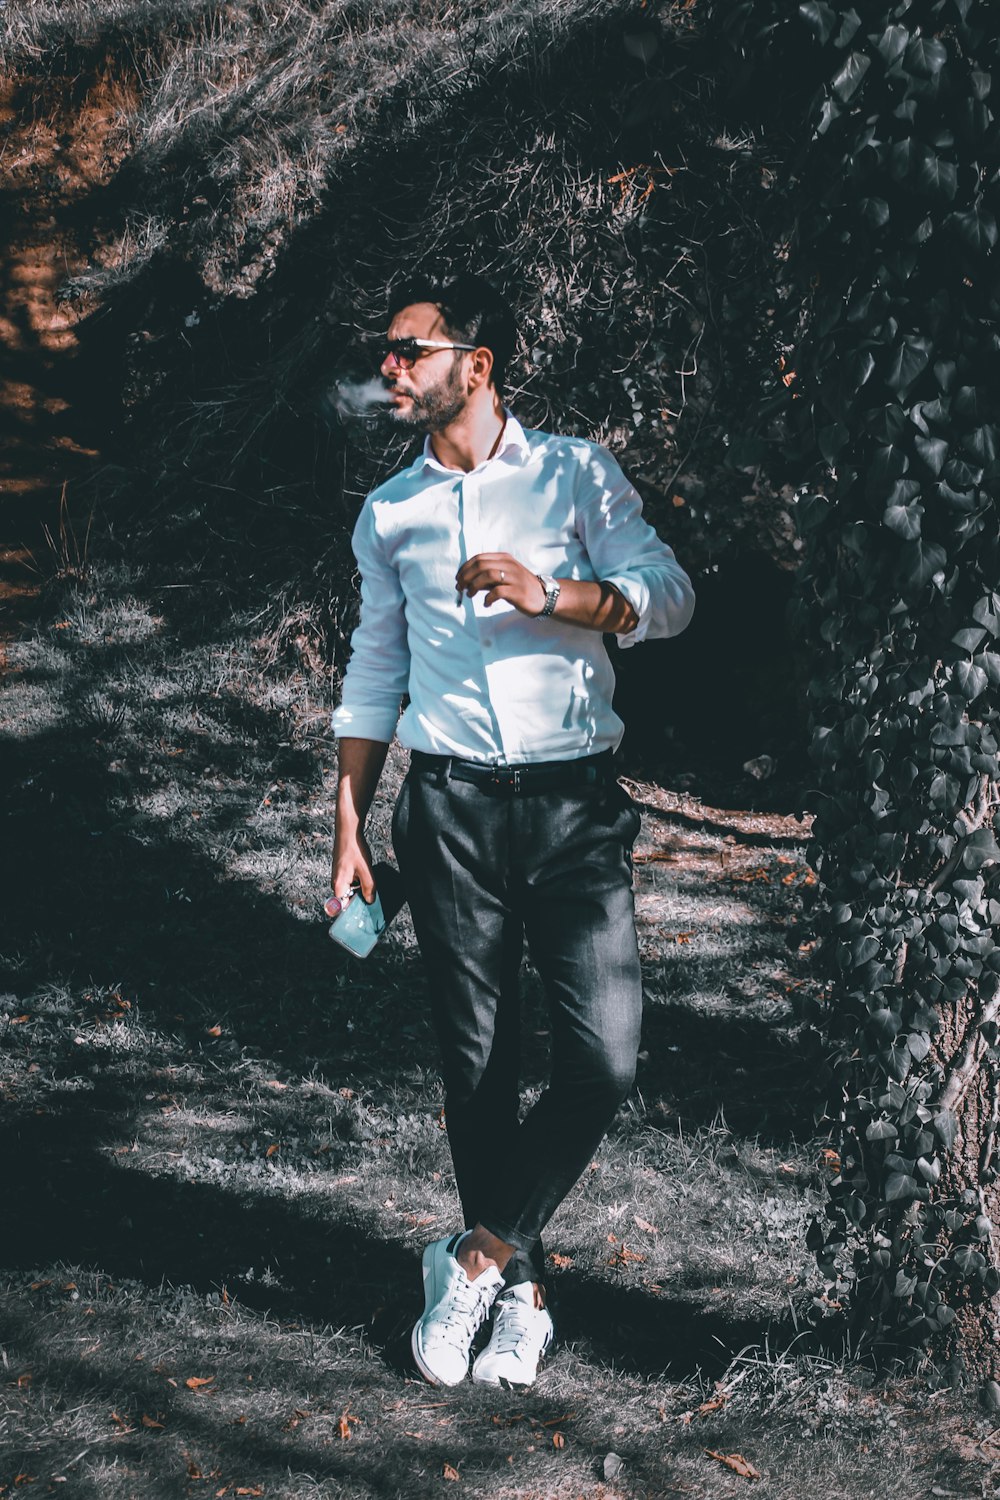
[391,363]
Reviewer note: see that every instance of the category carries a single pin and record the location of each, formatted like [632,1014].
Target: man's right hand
[352,867]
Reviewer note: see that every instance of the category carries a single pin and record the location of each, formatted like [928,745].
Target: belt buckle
[507,778]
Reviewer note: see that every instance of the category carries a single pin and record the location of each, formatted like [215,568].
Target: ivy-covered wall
[897,391]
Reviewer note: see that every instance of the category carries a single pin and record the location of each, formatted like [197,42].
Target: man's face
[433,391]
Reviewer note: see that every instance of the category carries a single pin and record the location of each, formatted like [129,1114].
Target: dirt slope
[56,147]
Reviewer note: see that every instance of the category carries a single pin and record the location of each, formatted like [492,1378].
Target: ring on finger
[502,575]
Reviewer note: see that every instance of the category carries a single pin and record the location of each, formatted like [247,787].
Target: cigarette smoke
[354,400]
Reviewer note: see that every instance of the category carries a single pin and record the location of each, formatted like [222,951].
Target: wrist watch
[551,587]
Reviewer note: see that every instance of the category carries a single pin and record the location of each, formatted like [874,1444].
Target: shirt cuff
[364,723]
[636,593]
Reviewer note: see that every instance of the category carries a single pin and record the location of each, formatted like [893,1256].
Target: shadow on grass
[92,901]
[79,1207]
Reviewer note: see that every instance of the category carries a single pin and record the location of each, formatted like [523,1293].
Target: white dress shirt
[492,684]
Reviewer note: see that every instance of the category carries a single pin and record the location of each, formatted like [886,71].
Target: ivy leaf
[986,612]
[850,25]
[888,463]
[980,849]
[990,663]
[970,679]
[910,358]
[977,228]
[970,638]
[831,440]
[933,451]
[904,520]
[820,18]
[900,1187]
[847,82]
[874,210]
[926,56]
[936,175]
[892,44]
[919,1044]
[815,1238]
[921,560]
[967,401]
[863,949]
[968,1261]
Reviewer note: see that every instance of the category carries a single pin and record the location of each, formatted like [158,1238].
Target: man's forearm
[361,763]
[595,606]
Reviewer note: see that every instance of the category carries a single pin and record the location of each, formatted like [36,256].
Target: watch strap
[551,587]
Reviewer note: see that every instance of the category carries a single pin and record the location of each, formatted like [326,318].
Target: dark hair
[474,312]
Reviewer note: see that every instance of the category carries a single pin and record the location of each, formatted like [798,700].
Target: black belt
[537,776]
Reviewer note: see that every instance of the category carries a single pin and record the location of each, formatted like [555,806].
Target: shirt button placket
[472,516]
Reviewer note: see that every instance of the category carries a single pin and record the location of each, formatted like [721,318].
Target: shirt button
[487,640]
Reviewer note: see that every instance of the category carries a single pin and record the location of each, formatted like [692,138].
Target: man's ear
[481,368]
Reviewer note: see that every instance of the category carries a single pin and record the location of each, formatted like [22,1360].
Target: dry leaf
[644,1225]
[677,500]
[36,1286]
[272,1083]
[24,1379]
[19,1020]
[214,1031]
[344,1425]
[121,1422]
[195,1382]
[148,1422]
[736,1462]
[193,1470]
[561,1262]
[716,1404]
[558,1440]
[272,1149]
[248,1490]
[448,1472]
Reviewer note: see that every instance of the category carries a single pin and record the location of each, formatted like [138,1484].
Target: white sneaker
[455,1309]
[521,1334]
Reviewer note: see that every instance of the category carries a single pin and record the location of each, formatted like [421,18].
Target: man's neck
[472,437]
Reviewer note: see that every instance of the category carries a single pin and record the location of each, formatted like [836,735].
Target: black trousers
[485,869]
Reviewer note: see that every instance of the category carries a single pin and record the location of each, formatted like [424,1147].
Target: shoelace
[468,1304]
[511,1328]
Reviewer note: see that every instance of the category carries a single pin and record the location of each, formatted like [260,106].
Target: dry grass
[223,1142]
[283,163]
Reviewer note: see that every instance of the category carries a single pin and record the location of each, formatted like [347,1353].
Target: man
[489,570]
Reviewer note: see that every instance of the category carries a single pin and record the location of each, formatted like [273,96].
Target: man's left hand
[501,576]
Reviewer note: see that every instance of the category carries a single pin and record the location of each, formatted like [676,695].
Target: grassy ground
[223,1143]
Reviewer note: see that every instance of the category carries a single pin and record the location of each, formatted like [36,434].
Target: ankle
[474,1262]
[478,1250]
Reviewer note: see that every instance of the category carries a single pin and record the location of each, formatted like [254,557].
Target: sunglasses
[406,352]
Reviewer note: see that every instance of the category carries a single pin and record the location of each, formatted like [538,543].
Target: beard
[435,408]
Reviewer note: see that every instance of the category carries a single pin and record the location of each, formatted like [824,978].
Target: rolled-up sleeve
[378,672]
[626,552]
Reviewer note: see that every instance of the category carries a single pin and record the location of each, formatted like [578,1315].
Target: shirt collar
[513,447]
